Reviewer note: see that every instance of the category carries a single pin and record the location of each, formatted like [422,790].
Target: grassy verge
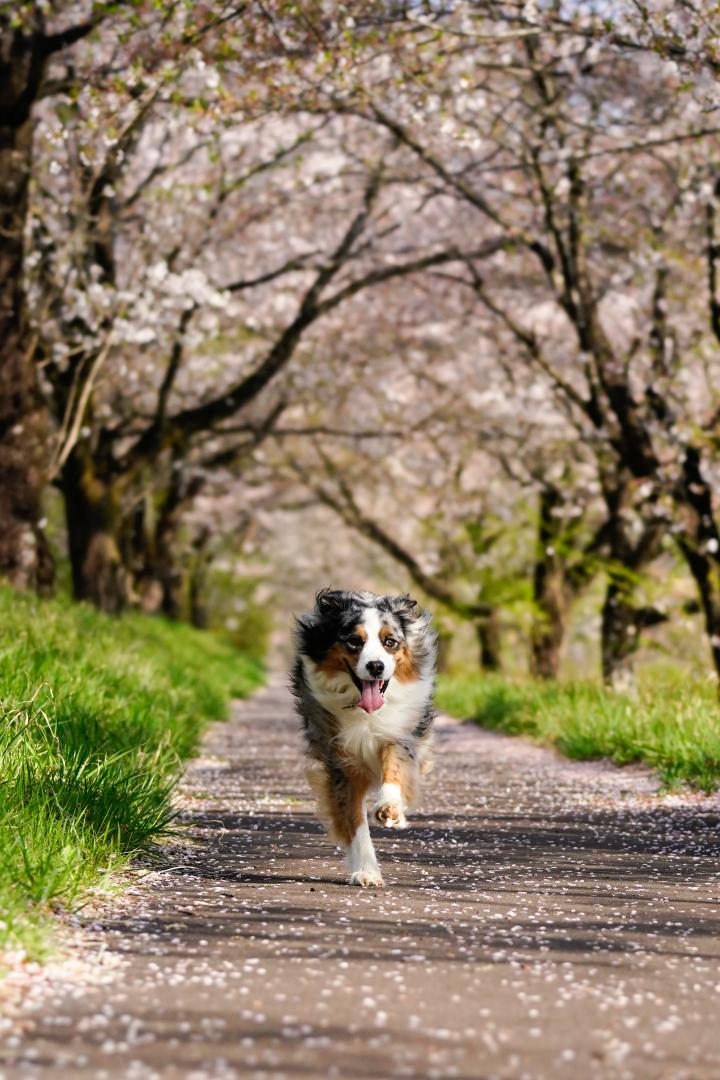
[673,726]
[96,715]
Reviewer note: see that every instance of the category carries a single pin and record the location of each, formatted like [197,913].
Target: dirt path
[540,919]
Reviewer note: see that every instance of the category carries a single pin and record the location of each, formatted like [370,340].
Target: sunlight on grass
[672,726]
[97,714]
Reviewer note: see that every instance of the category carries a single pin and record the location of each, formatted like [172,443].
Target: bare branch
[52,43]
[297,262]
[347,508]
[76,407]
[173,367]
[713,256]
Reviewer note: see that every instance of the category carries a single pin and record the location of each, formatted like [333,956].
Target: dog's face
[363,640]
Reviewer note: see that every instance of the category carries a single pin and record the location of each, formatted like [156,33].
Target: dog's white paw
[367,878]
[390,815]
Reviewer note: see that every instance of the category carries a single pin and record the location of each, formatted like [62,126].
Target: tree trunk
[24,555]
[699,543]
[159,588]
[620,636]
[173,591]
[632,544]
[707,579]
[93,519]
[159,572]
[167,565]
[623,622]
[444,641]
[488,629]
[199,615]
[550,590]
[547,640]
[150,556]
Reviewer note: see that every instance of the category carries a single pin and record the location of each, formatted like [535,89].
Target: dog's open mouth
[372,692]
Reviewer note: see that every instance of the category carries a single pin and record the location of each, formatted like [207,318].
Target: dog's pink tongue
[371,698]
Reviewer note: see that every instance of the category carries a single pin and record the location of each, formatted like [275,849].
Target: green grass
[96,715]
[671,724]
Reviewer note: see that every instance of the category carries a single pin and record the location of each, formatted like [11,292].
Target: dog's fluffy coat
[363,682]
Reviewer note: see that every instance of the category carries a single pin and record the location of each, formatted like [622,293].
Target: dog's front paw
[367,878]
[390,815]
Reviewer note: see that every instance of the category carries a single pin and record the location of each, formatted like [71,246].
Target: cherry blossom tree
[457,260]
[550,146]
[27,45]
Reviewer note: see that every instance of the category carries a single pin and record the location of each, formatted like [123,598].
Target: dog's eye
[355,642]
[390,643]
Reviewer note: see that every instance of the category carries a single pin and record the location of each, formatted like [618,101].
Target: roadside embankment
[97,714]
[672,725]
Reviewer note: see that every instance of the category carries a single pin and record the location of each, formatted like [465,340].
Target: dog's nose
[375,668]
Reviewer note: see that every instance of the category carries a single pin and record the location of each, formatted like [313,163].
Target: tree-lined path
[540,919]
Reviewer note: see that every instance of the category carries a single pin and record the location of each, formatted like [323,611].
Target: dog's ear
[329,601]
[405,607]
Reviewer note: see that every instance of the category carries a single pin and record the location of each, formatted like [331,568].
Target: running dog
[363,682]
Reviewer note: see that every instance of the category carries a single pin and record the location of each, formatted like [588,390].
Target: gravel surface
[540,919]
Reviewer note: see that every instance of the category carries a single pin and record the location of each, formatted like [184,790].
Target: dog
[363,682]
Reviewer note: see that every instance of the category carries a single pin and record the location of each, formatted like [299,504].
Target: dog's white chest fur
[361,735]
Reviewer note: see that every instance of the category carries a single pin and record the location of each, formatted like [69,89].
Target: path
[536,922]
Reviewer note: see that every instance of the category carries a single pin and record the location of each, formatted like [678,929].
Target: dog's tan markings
[405,670]
[341,805]
[399,768]
[335,661]
[347,806]
[338,657]
[391,761]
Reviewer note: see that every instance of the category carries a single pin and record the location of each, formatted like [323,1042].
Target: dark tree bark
[489,635]
[699,542]
[92,513]
[699,537]
[100,539]
[550,589]
[159,572]
[624,617]
[565,565]
[171,577]
[24,555]
[198,581]
[148,553]
[620,635]
[443,650]
[623,623]
[25,558]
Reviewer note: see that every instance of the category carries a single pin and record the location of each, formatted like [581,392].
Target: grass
[671,724]
[96,715]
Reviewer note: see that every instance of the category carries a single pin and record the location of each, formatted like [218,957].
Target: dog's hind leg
[341,801]
[399,781]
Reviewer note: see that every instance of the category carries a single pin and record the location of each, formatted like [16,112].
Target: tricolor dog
[363,682]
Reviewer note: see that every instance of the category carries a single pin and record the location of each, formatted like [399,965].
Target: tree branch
[52,43]
[173,367]
[351,514]
[298,262]
[531,344]
[713,255]
[204,416]
[76,406]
